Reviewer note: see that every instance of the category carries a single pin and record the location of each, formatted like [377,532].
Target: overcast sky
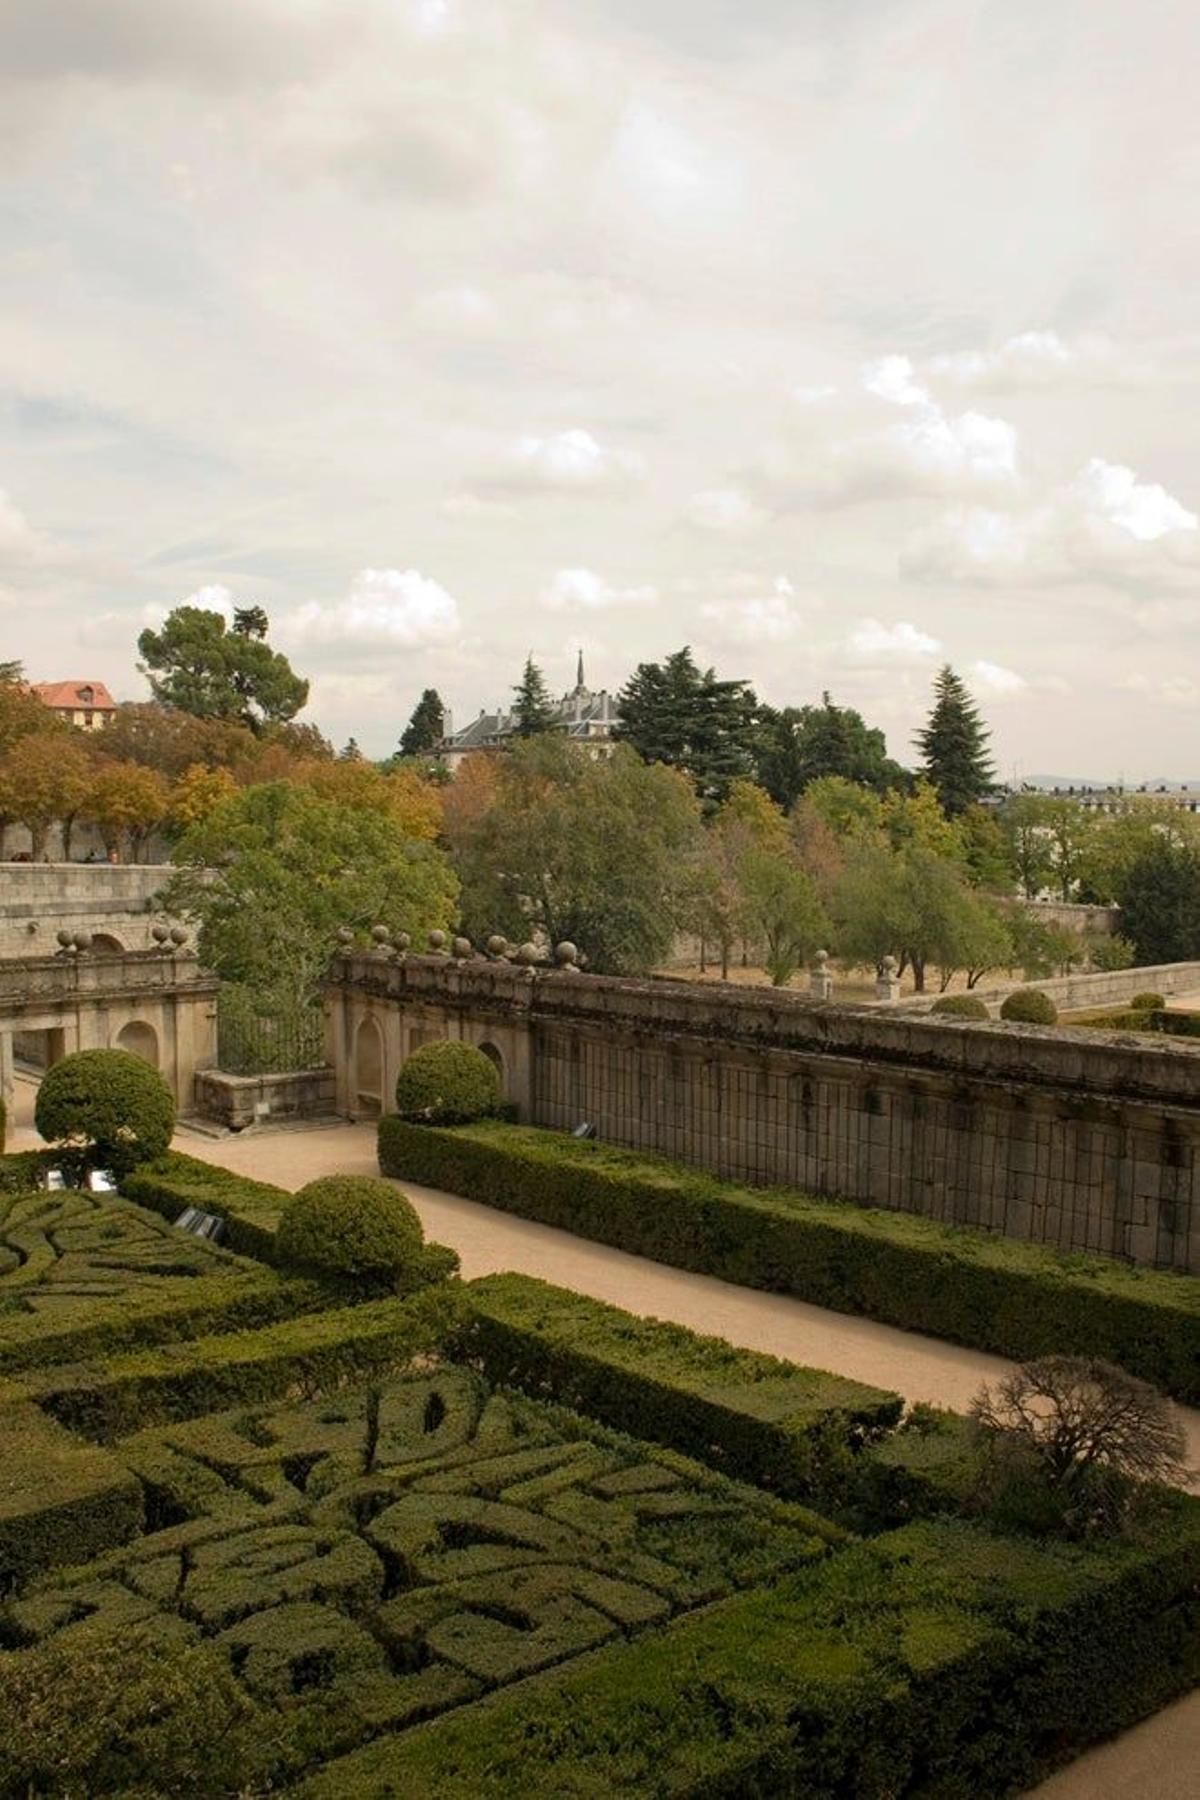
[836,337]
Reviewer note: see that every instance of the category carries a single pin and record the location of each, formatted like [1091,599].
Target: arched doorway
[141,1039]
[104,944]
[368,1070]
[497,1061]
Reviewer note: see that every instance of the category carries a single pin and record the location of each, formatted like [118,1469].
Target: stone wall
[38,900]
[241,1100]
[1082,992]
[1083,1140]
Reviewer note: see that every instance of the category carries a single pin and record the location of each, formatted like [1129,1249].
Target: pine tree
[673,713]
[350,751]
[533,710]
[427,726]
[954,746]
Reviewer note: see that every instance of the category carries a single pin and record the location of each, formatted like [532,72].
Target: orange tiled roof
[67,694]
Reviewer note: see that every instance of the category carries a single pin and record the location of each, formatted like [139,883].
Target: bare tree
[1087,1432]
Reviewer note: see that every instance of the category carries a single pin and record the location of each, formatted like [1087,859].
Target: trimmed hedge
[309,1355]
[993,1293]
[935,1659]
[1029,1006]
[960,1006]
[356,1231]
[110,1102]
[1148,1001]
[60,1501]
[250,1209]
[447,1083]
[753,1417]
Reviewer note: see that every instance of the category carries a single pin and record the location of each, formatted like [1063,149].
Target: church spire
[579,674]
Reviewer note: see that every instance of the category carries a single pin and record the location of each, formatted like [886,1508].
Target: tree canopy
[214,671]
[533,710]
[953,743]
[674,713]
[427,726]
[799,745]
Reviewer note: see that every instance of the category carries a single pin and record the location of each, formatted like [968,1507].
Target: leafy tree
[43,777]
[11,673]
[597,852]
[1159,897]
[782,909]
[978,939]
[350,751]
[125,802]
[799,745]
[916,818]
[275,871]
[202,666]
[196,793]
[986,850]
[747,820]
[1029,841]
[1116,841]
[1039,948]
[171,741]
[852,813]
[250,622]
[909,903]
[22,714]
[674,713]
[954,745]
[427,727]
[533,709]
[412,803]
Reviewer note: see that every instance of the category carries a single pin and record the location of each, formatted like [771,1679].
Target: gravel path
[1159,1760]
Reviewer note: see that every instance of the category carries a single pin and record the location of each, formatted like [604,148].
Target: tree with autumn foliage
[44,776]
[196,793]
[125,802]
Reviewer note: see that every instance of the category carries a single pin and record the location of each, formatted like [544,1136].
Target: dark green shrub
[780,1426]
[108,1105]
[976,1287]
[1147,1002]
[356,1231]
[960,1006]
[61,1500]
[251,1209]
[1029,1006]
[448,1083]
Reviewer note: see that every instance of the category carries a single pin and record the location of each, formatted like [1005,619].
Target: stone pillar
[887,982]
[7,1084]
[820,981]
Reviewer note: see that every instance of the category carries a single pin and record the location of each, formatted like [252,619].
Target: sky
[837,338]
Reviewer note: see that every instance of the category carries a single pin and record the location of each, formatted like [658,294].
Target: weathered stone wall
[1083,1140]
[38,900]
[1079,993]
[241,1100]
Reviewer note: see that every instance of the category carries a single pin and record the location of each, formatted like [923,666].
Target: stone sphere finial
[820,960]
[890,965]
[437,941]
[179,936]
[160,934]
[527,954]
[463,948]
[402,942]
[66,941]
[566,955]
[381,935]
[497,945]
[345,936]
[82,940]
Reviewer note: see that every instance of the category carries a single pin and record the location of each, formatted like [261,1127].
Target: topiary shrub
[1029,1006]
[960,1006]
[1147,1002]
[360,1233]
[448,1083]
[108,1107]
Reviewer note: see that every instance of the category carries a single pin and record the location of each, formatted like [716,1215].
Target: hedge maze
[257,1536]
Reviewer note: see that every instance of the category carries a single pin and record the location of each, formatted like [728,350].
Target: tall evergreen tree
[213,671]
[799,745]
[674,713]
[533,710]
[953,744]
[427,726]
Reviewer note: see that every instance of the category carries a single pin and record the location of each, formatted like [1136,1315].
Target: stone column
[7,1084]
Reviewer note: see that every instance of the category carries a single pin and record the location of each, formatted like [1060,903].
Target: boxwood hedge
[250,1209]
[61,1501]
[751,1416]
[994,1293]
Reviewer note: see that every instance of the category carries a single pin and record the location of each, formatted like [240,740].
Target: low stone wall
[1079,993]
[112,901]
[1082,1139]
[241,1100]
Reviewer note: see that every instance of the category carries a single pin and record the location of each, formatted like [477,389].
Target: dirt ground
[1159,1760]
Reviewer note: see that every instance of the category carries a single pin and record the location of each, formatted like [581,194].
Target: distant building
[1119,799]
[582,716]
[87,704]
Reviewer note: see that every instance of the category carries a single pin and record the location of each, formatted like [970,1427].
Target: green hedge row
[1021,1300]
[60,1501]
[306,1356]
[250,1209]
[933,1660]
[753,1417]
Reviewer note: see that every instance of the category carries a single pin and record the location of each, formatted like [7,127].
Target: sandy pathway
[1159,1760]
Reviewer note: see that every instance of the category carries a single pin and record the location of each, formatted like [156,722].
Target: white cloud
[1104,526]
[568,462]
[215,597]
[725,510]
[384,607]
[573,590]
[872,641]
[770,617]
[996,680]
[891,378]
[1041,359]
[19,543]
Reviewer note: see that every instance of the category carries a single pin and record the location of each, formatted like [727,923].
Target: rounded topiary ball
[355,1230]
[1029,1006]
[1147,1002]
[960,1006]
[110,1103]
[449,1083]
